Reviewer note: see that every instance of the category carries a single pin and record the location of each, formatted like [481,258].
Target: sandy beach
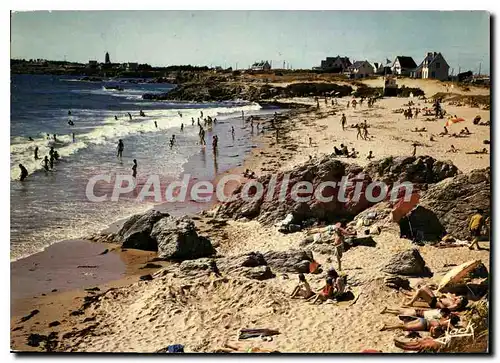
[205,313]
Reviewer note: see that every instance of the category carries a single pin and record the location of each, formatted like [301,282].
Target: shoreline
[294,149]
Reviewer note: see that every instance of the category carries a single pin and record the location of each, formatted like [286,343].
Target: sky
[239,38]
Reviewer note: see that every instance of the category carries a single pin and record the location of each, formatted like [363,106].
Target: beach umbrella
[458,273]
[454,120]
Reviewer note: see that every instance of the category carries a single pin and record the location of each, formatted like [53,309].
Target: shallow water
[52,206]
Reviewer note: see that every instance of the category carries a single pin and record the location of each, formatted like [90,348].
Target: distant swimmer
[156,125]
[45,163]
[56,155]
[116,118]
[179,113]
[24,172]
[192,121]
[182,127]
[73,135]
[48,137]
[134,169]
[120,148]
[71,123]
[201,114]
[51,161]
[30,139]
[129,116]
[51,151]
[36,153]
[55,137]
[69,112]
[215,120]
[142,114]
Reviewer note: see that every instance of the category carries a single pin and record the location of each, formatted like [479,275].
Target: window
[433,74]
[438,65]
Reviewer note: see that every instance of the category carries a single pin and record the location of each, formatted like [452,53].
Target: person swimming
[71,123]
[36,153]
[142,114]
[24,172]
[120,149]
[69,112]
[51,161]
[48,137]
[134,169]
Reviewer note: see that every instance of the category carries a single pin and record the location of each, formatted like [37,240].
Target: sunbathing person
[467,132]
[339,285]
[452,149]
[484,151]
[445,132]
[326,293]
[418,313]
[422,324]
[302,289]
[450,301]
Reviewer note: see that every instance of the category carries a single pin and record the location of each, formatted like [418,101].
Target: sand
[205,314]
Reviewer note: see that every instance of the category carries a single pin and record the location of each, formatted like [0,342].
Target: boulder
[251,265]
[421,225]
[257,273]
[135,232]
[407,263]
[293,261]
[201,266]
[454,201]
[177,239]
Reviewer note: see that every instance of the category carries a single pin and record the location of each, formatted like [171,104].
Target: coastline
[293,150]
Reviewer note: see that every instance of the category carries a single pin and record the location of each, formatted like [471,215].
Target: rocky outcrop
[453,201]
[418,170]
[343,204]
[291,261]
[177,239]
[213,89]
[136,231]
[407,263]
[397,282]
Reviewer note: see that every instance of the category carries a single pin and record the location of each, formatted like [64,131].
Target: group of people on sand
[334,288]
[440,313]
[362,130]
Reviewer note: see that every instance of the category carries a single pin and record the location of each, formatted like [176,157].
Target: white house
[433,66]
[361,69]
[403,65]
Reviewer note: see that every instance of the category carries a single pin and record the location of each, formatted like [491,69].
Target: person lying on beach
[485,123]
[452,149]
[435,326]
[450,301]
[484,151]
[345,150]
[418,313]
[445,132]
[423,129]
[303,289]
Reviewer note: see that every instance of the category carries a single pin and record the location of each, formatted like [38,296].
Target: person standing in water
[215,141]
[69,112]
[51,152]
[156,125]
[45,163]
[201,114]
[192,121]
[134,169]
[182,127]
[36,153]
[73,134]
[51,161]
[242,115]
[55,137]
[24,172]
[232,131]
[129,116]
[120,149]
[202,137]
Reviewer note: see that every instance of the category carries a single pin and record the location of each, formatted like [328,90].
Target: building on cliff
[261,66]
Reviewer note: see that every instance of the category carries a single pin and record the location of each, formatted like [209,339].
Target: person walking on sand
[475,226]
[134,169]
[365,131]
[120,149]
[310,141]
[24,172]
[242,115]
[343,120]
[36,153]
[414,149]
[277,134]
[358,129]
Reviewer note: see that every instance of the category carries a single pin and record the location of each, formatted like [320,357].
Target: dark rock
[76,313]
[257,273]
[177,239]
[29,316]
[147,277]
[397,282]
[54,323]
[420,225]
[34,340]
[90,318]
[250,265]
[104,252]
[54,290]
[151,265]
[91,289]
[17,328]
[455,200]
[407,263]
[136,231]
[292,261]
[198,267]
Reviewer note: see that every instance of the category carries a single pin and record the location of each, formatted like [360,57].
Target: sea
[52,206]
